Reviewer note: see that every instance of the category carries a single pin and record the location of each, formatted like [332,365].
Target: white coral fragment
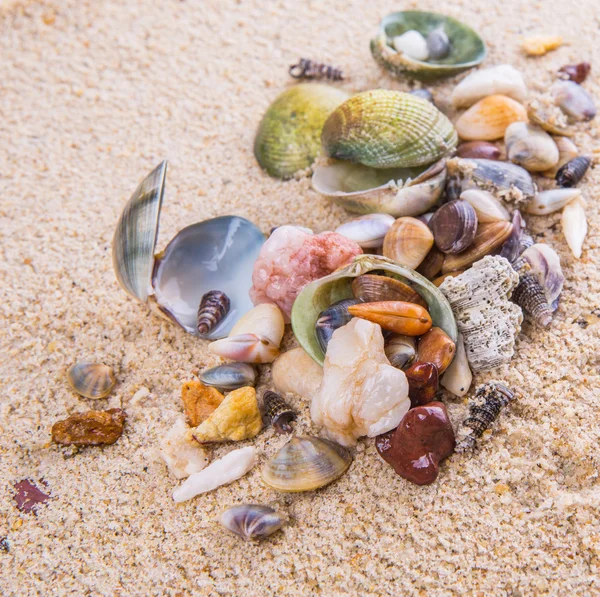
[182,457]
[487,320]
[574,225]
[361,393]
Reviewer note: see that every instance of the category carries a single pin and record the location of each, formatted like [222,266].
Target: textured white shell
[485,317]
[547,202]
[182,457]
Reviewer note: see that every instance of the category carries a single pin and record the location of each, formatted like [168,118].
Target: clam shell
[545,113]
[252,521]
[407,242]
[371,288]
[367,231]
[395,191]
[265,320]
[486,206]
[318,295]
[454,226]
[466,48]
[547,202]
[230,376]
[135,236]
[489,118]
[306,463]
[574,100]
[478,150]
[288,137]
[359,131]
[574,225]
[332,318]
[400,350]
[246,348]
[531,147]
[91,380]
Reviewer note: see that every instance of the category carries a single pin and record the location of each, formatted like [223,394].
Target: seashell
[538,45]
[545,264]
[288,137]
[531,147]
[544,112]
[422,383]
[264,320]
[454,188]
[359,131]
[395,191]
[368,231]
[438,44]
[572,172]
[431,266]
[574,225]
[91,380]
[251,521]
[466,48]
[530,296]
[488,238]
[397,316]
[229,376]
[306,463]
[490,398]
[426,218]
[548,202]
[295,371]
[488,119]
[182,457]
[361,393]
[436,347]
[407,242]
[486,206]
[478,149]
[506,181]
[400,350]
[575,101]
[567,150]
[497,80]
[413,44]
[518,239]
[370,288]
[454,226]
[230,467]
[214,306]
[458,377]
[332,318]
[423,94]
[246,348]
[440,280]
[309,69]
[575,72]
[279,412]
[487,320]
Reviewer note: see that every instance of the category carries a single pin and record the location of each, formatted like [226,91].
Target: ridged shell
[229,376]
[407,242]
[91,380]
[467,49]
[135,236]
[288,137]
[530,296]
[454,226]
[531,147]
[372,288]
[306,463]
[388,129]
[279,412]
[318,295]
[251,521]
[214,306]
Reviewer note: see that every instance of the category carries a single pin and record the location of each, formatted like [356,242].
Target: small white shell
[574,225]
[182,457]
[486,206]
[367,231]
[458,377]
[265,320]
[252,521]
[530,146]
[547,202]
[413,44]
[246,348]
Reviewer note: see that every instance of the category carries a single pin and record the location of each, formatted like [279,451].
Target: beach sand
[94,95]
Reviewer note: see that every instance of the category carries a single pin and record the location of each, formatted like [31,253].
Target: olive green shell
[388,129]
[467,47]
[288,137]
[320,294]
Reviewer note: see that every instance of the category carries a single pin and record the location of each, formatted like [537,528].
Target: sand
[93,96]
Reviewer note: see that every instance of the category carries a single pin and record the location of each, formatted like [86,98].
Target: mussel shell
[91,380]
[318,295]
[454,226]
[332,318]
[306,463]
[467,49]
[252,521]
[229,376]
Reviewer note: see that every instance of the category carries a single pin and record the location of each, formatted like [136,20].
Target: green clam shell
[467,49]
[288,137]
[388,129]
[320,294]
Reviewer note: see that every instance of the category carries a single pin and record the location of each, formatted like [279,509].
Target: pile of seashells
[428,286]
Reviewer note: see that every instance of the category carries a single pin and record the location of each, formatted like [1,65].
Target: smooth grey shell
[229,376]
[252,521]
[91,380]
[320,294]
[135,237]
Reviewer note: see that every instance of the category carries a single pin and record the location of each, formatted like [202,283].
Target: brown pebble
[436,347]
[423,383]
[478,150]
[576,72]
[29,497]
[199,401]
[91,428]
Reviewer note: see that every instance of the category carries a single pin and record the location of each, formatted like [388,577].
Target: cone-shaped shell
[318,295]
[467,49]
[306,463]
[288,137]
[388,129]
[91,380]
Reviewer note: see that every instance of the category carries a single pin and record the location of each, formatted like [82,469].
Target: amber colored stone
[199,401]
[436,347]
[423,383]
[416,447]
[29,497]
[91,428]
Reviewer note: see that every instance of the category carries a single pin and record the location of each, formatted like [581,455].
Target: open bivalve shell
[217,254]
[320,294]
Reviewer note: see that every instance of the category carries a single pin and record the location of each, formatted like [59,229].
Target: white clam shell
[182,457]
[367,231]
[486,206]
[265,320]
[547,202]
[246,348]
[530,146]
[458,377]
[574,225]
[413,44]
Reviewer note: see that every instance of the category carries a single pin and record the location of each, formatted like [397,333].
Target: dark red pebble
[576,72]
[29,497]
[423,383]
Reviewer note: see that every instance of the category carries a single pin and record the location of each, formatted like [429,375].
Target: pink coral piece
[291,258]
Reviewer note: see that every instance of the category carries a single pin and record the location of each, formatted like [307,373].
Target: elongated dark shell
[251,521]
[518,240]
[213,308]
[332,318]
[530,296]
[279,412]
[573,171]
[454,226]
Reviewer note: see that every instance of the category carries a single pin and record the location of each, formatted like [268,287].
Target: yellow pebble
[501,488]
[17,524]
[538,45]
